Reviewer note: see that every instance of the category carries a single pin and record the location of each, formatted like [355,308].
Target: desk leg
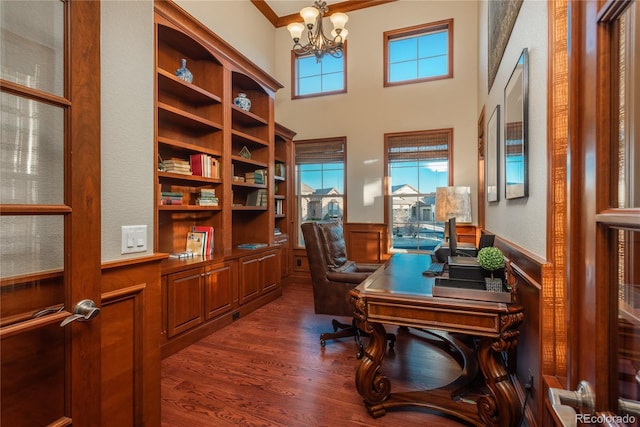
[371,384]
[502,406]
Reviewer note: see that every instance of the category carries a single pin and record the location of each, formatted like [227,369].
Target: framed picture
[492,159]
[502,18]
[516,111]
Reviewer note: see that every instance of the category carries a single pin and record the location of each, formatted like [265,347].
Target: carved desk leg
[371,384]
[502,406]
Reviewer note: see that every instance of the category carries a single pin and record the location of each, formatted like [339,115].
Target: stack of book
[257,198]
[170,198]
[205,165]
[238,178]
[207,197]
[200,240]
[258,176]
[279,207]
[177,166]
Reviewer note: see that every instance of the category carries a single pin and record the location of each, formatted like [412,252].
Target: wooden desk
[398,294]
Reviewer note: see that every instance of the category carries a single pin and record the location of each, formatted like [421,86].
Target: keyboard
[435,269]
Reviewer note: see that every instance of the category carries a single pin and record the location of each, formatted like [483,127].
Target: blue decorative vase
[183,72]
[242,102]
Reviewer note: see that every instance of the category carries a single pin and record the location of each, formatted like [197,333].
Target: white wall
[521,221]
[127,80]
[368,110]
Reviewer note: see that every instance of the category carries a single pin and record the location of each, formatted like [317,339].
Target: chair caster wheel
[360,353]
[323,343]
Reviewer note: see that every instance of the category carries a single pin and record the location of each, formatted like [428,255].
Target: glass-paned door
[48,130]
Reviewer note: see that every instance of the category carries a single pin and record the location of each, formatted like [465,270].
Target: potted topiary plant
[492,259]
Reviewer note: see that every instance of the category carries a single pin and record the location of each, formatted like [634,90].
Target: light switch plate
[134,239]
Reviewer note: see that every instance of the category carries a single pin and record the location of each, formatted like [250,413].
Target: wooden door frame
[83,195]
[579,137]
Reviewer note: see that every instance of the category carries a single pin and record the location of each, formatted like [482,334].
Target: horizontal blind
[419,146]
[325,151]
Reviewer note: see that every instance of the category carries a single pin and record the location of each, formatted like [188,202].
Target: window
[315,78]
[416,163]
[420,53]
[320,181]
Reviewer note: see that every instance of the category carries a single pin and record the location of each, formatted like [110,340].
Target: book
[208,231]
[251,245]
[257,198]
[195,242]
[181,255]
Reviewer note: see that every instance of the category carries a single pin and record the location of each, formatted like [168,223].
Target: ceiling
[283,12]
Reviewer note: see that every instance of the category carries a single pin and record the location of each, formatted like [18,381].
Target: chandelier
[319,44]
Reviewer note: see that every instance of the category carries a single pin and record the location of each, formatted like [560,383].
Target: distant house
[322,203]
[411,210]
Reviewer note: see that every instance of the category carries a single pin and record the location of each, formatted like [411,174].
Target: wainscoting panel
[366,242]
[530,272]
[130,319]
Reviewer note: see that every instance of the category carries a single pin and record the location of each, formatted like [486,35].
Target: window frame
[388,196]
[415,31]
[294,76]
[297,234]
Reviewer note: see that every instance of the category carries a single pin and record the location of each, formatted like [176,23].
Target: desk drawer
[444,319]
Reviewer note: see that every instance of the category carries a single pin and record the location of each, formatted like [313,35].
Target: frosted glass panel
[31,152]
[31,244]
[32,47]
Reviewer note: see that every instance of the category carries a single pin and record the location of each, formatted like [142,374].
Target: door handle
[565,402]
[83,311]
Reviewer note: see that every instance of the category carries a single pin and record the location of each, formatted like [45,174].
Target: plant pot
[494,284]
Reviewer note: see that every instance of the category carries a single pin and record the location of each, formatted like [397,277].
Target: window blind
[433,145]
[325,151]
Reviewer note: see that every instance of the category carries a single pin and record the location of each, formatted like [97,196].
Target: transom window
[417,163]
[419,53]
[314,78]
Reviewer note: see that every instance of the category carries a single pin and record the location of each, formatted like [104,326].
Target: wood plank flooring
[268,369]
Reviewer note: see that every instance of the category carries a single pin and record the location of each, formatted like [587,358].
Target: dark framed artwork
[492,159]
[502,16]
[516,112]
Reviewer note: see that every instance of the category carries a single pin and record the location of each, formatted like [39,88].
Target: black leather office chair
[333,275]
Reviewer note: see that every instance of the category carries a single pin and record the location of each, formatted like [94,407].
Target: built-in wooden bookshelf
[283,193]
[205,142]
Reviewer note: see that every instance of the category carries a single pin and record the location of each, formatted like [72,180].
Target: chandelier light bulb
[339,20]
[296,29]
[309,14]
[343,34]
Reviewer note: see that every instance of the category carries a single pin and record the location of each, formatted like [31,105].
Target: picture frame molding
[493,156]
[516,121]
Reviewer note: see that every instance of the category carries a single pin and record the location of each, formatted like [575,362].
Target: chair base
[341,330]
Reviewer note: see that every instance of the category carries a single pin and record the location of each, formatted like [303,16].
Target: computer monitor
[453,237]
[486,240]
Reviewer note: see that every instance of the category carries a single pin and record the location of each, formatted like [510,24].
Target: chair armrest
[355,277]
[370,268]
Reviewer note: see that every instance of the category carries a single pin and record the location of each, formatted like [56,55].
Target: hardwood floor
[268,369]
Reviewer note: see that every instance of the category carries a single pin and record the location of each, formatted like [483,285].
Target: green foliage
[491,258]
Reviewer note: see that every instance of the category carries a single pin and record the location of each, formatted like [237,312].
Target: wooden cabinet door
[220,282]
[184,301]
[271,271]
[250,286]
